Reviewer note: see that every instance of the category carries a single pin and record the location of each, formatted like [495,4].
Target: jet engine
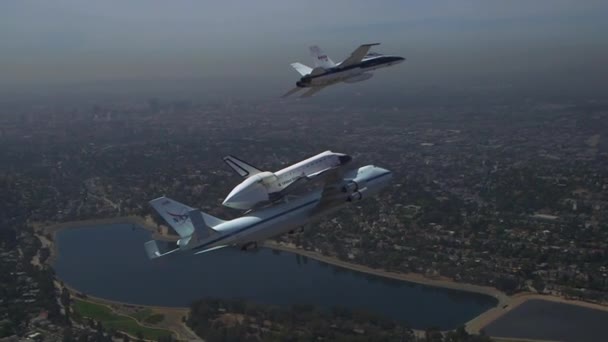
[356,196]
[358,78]
[352,186]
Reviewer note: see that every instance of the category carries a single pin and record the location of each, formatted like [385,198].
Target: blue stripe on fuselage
[254,225]
[222,237]
[363,65]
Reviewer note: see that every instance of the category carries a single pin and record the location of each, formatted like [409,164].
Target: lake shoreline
[505,303]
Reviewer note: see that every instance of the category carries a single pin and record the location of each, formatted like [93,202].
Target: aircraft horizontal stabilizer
[156,249]
[301,68]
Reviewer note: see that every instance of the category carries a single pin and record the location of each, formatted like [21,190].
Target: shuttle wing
[242,168]
[332,192]
[357,55]
[319,173]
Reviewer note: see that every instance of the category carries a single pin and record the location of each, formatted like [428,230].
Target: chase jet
[356,68]
[263,187]
[200,232]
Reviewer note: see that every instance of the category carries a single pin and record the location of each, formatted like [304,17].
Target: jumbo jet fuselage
[262,224]
[269,186]
[349,74]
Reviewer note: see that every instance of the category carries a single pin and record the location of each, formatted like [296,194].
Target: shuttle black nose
[345,159]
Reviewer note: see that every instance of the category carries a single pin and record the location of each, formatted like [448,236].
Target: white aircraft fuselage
[259,225]
[350,74]
[269,186]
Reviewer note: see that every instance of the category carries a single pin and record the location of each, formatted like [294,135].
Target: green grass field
[142,314]
[110,320]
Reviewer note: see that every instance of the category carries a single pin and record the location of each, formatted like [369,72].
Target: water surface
[546,320]
[109,261]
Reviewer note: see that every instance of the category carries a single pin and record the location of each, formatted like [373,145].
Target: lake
[546,320]
[109,261]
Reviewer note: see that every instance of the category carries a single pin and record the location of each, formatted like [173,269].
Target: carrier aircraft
[200,232]
[356,68]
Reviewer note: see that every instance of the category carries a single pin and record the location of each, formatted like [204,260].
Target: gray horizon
[444,43]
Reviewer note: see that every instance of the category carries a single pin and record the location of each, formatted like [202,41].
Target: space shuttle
[265,187]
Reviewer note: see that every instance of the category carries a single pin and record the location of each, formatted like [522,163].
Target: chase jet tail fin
[320,58]
[301,68]
[177,215]
[242,168]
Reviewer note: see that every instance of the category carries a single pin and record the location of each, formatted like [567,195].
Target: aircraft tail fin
[201,223]
[242,168]
[301,68]
[320,58]
[178,216]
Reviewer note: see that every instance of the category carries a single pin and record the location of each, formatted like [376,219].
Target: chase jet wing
[292,91]
[312,91]
[357,55]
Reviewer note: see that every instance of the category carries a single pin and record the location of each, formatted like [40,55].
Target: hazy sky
[72,41]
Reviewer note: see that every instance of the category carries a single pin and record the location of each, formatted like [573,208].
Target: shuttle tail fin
[320,58]
[242,168]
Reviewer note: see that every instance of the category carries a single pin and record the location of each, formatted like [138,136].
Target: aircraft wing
[316,174]
[156,249]
[211,249]
[332,188]
[242,168]
[302,181]
[357,55]
[294,90]
[312,91]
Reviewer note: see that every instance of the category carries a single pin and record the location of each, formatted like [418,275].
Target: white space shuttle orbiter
[356,68]
[265,186]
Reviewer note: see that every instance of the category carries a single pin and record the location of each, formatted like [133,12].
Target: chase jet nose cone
[246,195]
